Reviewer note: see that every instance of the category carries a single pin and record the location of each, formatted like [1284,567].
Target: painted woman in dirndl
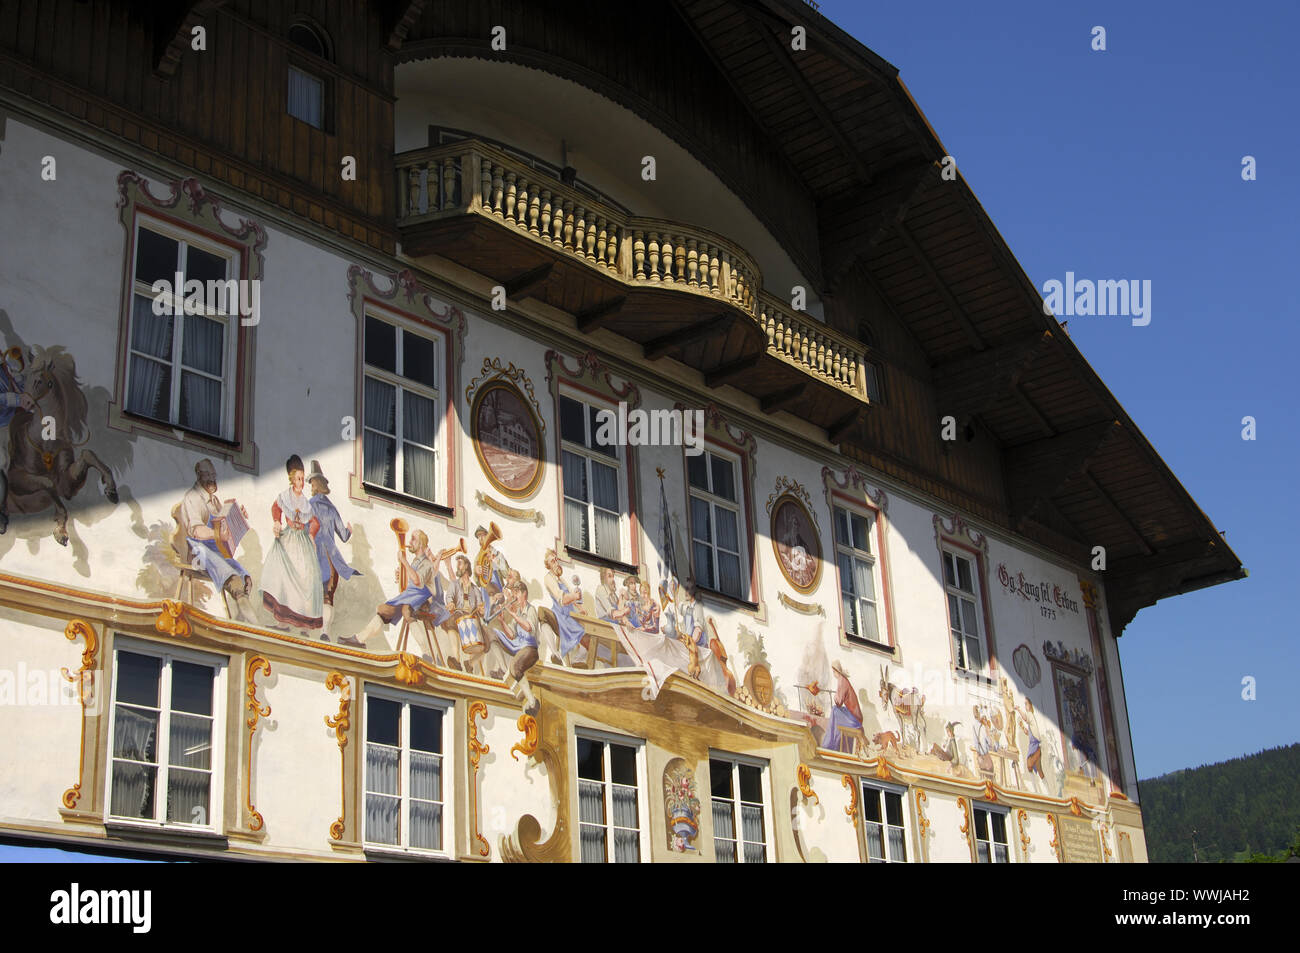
[291,586]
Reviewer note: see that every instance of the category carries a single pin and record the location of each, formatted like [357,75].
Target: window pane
[572,427]
[426,729]
[700,520]
[575,476]
[150,390]
[150,333]
[381,344]
[729,578]
[381,819]
[204,266]
[871,805]
[981,852]
[999,827]
[954,613]
[751,818]
[720,778]
[875,842]
[187,796]
[754,854]
[419,359]
[624,801]
[135,734]
[138,679]
[861,534]
[382,765]
[591,759]
[622,765]
[203,344]
[426,825]
[975,653]
[893,808]
[418,419]
[1000,854]
[724,478]
[949,572]
[156,256]
[609,445]
[751,784]
[724,821]
[864,579]
[704,565]
[380,406]
[306,95]
[380,459]
[897,845]
[383,720]
[848,605]
[591,802]
[964,575]
[870,623]
[576,529]
[969,624]
[627,847]
[190,741]
[426,776]
[200,403]
[133,786]
[728,538]
[608,537]
[593,845]
[418,478]
[604,487]
[981,824]
[697,469]
[846,563]
[842,527]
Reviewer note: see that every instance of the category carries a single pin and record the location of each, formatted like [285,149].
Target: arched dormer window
[309,86]
[871,365]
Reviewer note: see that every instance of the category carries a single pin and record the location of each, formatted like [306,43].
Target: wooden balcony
[675,289]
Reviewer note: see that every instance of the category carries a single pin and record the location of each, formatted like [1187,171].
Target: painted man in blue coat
[332,565]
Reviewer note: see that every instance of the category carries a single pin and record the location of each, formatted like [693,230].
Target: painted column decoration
[84,676]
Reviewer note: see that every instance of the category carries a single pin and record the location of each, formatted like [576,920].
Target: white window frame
[976,840]
[401,383]
[736,760]
[216,790]
[642,799]
[879,790]
[406,700]
[737,506]
[619,462]
[230,318]
[976,597]
[877,573]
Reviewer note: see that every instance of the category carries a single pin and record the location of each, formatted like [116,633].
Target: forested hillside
[1232,809]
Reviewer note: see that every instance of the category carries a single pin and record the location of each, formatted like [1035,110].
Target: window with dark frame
[739,824]
[400,402]
[161,765]
[859,602]
[592,477]
[991,843]
[404,782]
[609,814]
[717,523]
[883,820]
[961,590]
[180,365]
[308,91]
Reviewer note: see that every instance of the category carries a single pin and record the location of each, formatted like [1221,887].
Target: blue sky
[1127,164]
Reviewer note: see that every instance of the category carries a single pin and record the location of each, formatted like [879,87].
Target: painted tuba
[483,561]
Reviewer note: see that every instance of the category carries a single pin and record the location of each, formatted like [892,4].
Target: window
[963,615]
[592,482]
[991,846]
[716,548]
[178,363]
[400,410]
[874,374]
[609,812]
[166,740]
[405,797]
[737,792]
[308,92]
[882,815]
[857,567]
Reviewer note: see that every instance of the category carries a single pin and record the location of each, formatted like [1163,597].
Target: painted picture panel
[507,439]
[798,547]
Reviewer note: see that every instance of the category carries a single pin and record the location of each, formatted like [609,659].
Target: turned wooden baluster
[638,254]
[713,269]
[580,231]
[510,192]
[485,189]
[450,168]
[413,191]
[668,249]
[652,246]
[602,240]
[534,209]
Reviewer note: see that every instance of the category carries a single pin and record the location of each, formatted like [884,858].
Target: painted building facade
[536,501]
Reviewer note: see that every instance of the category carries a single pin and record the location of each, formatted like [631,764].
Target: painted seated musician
[518,632]
[199,515]
[422,594]
[464,603]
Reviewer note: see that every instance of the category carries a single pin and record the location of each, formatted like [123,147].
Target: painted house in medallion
[318,542]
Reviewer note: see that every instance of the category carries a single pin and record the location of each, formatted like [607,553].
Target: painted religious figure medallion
[507,439]
[795,539]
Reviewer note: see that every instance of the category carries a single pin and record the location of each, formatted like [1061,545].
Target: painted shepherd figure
[291,583]
[199,508]
[846,710]
[332,565]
